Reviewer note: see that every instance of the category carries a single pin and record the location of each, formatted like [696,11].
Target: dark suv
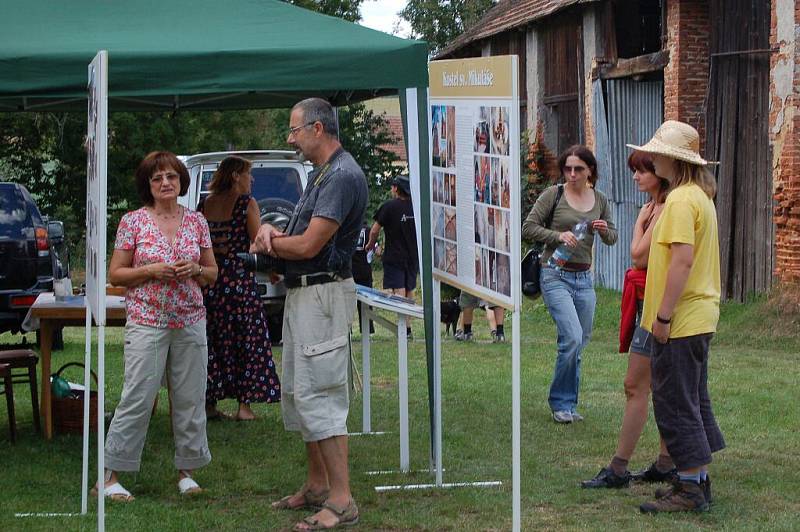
[27,259]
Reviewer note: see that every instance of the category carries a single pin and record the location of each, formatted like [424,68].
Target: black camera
[259,262]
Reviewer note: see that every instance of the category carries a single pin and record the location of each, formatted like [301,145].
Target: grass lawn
[753,381]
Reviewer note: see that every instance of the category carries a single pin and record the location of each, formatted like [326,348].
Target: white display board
[475,175]
[96,156]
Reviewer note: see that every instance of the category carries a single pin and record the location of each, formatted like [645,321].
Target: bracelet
[662,320]
[200,271]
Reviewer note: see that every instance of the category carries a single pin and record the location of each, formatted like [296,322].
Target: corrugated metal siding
[632,113]
[635,110]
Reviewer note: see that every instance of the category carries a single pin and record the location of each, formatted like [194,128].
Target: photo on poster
[485,273]
[480,224]
[438,254]
[478,266]
[451,258]
[499,127]
[445,188]
[502,238]
[438,185]
[438,129]
[492,271]
[483,171]
[504,274]
[490,230]
[494,182]
[450,227]
[505,184]
[450,147]
[438,221]
[482,133]
[452,189]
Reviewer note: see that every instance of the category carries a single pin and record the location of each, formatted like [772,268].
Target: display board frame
[474,151]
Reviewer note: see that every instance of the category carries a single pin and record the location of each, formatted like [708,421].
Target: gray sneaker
[462,336]
[562,416]
[576,416]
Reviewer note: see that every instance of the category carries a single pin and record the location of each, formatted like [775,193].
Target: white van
[279,177]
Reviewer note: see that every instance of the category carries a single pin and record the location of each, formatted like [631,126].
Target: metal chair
[24,359]
[8,391]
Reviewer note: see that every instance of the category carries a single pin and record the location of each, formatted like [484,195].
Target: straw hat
[677,140]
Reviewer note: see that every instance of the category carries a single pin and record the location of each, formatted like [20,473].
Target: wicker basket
[68,411]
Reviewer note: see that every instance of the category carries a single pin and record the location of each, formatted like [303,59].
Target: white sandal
[187,486]
[115,492]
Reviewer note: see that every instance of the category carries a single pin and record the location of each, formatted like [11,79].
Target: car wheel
[276,212]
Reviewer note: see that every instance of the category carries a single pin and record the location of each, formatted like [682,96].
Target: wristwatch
[662,320]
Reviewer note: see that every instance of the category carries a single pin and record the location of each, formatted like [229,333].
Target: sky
[382,15]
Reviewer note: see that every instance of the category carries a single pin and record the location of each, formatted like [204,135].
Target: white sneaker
[562,416]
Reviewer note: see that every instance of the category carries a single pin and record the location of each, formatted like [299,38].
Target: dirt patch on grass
[781,309]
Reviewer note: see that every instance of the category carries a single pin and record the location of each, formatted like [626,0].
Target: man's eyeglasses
[293,130]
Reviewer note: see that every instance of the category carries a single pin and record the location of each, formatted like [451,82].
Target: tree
[346,9]
[364,133]
[440,21]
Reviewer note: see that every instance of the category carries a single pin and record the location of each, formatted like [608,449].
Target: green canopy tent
[206,54]
[199,54]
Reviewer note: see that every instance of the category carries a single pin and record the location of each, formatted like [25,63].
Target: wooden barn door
[737,123]
[563,102]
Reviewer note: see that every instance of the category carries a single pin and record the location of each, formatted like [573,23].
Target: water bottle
[563,252]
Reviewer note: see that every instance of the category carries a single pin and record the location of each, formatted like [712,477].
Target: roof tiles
[506,15]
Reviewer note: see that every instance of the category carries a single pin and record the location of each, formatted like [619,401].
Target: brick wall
[784,124]
[686,75]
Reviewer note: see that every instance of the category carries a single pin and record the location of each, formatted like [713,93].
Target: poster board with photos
[475,173]
[96,156]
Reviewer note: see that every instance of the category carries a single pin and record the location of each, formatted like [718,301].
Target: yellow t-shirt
[689,217]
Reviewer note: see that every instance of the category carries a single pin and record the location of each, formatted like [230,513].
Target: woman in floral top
[163,256]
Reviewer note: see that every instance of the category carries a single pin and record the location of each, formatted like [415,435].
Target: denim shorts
[642,342]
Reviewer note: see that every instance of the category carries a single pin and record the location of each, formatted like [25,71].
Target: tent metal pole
[414,103]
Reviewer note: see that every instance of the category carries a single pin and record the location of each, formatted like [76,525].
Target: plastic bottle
[563,252]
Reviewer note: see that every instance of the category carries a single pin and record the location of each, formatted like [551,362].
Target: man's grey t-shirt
[337,190]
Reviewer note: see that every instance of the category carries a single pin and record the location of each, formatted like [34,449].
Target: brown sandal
[347,516]
[311,500]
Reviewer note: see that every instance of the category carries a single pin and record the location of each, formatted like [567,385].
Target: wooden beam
[625,68]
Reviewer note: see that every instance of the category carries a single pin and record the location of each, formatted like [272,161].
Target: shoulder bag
[531,263]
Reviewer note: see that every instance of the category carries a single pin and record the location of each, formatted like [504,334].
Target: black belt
[312,279]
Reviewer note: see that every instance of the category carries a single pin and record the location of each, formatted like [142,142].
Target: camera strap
[324,173]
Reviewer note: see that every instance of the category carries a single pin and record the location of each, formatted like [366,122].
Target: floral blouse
[163,304]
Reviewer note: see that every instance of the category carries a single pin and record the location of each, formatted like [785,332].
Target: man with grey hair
[317,248]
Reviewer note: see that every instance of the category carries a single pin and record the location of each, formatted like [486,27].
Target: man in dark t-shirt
[317,248]
[400,262]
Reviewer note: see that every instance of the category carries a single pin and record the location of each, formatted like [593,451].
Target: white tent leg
[87,382]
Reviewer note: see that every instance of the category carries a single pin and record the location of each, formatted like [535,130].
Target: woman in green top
[568,290]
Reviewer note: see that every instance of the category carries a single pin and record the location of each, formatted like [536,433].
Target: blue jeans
[570,299]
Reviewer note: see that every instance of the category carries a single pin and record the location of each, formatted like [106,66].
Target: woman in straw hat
[568,291]
[681,310]
[640,341]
